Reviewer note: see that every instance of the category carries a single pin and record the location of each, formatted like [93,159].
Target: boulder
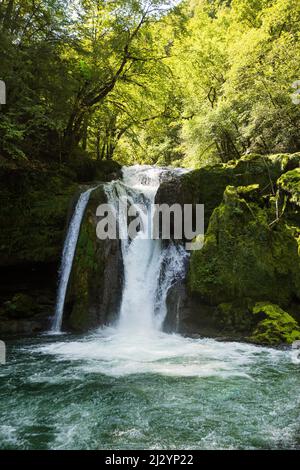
[36,203]
[276,327]
[289,183]
[244,255]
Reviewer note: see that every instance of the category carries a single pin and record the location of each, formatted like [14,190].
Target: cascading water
[149,269]
[68,256]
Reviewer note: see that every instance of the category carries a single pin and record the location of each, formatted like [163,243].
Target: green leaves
[188,82]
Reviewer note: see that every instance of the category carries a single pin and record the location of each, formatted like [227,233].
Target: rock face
[36,201]
[95,286]
[244,284]
[245,260]
[244,256]
[250,254]
[33,212]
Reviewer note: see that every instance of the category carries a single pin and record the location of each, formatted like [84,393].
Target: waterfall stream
[149,269]
[68,256]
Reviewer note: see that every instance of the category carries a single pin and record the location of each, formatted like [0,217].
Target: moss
[87,269]
[243,257]
[277,326]
[207,185]
[290,184]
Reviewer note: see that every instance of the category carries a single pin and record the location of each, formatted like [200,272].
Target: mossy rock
[290,183]
[244,257]
[233,195]
[277,326]
[34,205]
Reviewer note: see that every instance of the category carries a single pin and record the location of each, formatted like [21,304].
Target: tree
[115,45]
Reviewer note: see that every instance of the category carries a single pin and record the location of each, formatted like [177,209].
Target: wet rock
[36,203]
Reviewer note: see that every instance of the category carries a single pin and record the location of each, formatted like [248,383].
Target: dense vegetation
[151,81]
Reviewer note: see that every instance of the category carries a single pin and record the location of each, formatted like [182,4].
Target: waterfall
[67,257]
[149,268]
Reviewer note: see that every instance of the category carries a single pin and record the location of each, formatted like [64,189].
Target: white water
[149,269]
[67,258]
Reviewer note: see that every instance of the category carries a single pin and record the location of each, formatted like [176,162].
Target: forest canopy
[149,81]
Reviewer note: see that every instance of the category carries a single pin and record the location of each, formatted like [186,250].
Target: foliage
[236,69]
[156,81]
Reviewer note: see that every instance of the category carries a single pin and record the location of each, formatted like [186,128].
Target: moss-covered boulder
[95,286]
[289,183]
[276,327]
[244,256]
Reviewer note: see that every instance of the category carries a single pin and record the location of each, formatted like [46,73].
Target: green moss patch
[290,184]
[277,326]
[243,256]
